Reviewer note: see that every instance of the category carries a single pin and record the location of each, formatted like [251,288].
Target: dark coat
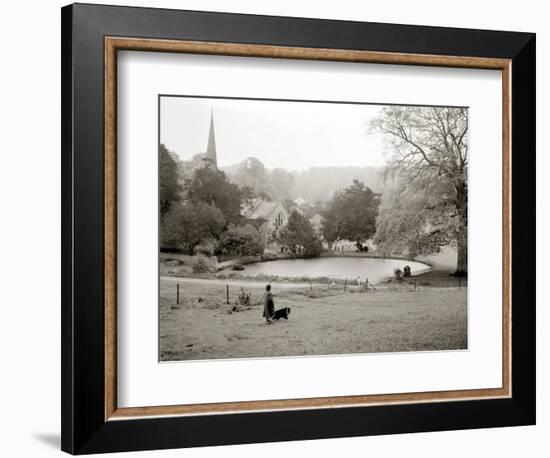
[269,306]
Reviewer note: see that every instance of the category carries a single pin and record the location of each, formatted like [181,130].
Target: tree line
[200,211]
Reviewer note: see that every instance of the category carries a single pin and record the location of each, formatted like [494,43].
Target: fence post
[227,293]
[345,284]
[177,293]
[415,283]
[459,282]
[367,284]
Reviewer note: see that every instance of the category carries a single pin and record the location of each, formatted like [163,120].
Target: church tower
[210,156]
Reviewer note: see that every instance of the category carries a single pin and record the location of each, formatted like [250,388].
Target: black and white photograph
[307,228]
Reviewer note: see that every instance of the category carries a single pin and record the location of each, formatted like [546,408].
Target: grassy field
[324,320]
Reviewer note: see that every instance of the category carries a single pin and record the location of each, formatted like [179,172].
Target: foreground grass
[323,321]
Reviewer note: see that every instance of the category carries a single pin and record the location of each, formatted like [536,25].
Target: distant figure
[269,305]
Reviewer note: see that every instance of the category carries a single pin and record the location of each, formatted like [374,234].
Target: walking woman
[269,305]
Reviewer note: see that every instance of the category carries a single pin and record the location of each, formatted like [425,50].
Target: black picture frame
[84,428]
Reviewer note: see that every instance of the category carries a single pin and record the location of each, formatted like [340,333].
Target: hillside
[313,184]
[319,183]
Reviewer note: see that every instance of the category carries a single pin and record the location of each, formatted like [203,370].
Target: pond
[334,267]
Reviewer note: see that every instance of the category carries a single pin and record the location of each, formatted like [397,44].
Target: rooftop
[259,208]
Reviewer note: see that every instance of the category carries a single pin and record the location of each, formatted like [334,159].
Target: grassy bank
[440,279]
[323,321]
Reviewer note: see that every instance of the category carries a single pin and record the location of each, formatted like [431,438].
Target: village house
[344,245]
[273,216]
[351,246]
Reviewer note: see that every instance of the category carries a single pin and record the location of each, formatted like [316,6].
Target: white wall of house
[276,221]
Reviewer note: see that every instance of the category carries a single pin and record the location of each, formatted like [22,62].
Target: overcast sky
[290,135]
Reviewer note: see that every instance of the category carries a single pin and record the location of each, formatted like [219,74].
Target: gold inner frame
[114,44]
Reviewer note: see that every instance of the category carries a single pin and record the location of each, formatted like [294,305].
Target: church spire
[210,155]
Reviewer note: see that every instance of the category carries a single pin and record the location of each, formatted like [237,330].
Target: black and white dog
[281,313]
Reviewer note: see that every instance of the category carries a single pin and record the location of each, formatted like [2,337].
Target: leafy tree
[408,224]
[351,214]
[282,184]
[317,208]
[312,247]
[299,237]
[211,186]
[184,226]
[247,196]
[170,188]
[264,196]
[430,159]
[206,247]
[242,241]
[252,173]
[187,168]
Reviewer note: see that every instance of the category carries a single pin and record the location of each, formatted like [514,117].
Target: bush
[313,247]
[244,297]
[242,241]
[269,256]
[187,225]
[202,265]
[206,248]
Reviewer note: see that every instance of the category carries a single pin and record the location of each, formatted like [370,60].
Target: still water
[337,267]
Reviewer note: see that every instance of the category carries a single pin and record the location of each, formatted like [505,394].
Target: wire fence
[234,293]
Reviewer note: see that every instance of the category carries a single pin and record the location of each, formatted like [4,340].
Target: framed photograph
[284,228]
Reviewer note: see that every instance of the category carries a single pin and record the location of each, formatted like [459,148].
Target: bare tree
[429,148]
